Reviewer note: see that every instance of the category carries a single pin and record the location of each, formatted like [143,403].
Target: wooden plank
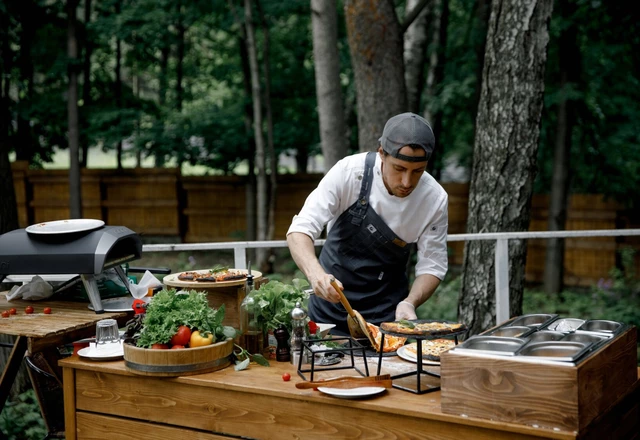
[69,401]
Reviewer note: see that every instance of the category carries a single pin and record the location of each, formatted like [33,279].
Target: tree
[75,187]
[326,57]
[504,160]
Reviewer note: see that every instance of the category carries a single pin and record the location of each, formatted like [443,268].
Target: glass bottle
[298,324]
[253,340]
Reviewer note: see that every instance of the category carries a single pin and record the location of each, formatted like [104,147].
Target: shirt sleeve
[432,244]
[322,205]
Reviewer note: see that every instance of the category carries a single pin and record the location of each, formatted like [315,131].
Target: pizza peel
[355,321]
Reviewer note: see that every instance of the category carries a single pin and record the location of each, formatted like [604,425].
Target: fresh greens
[244,358]
[406,323]
[168,310]
[273,302]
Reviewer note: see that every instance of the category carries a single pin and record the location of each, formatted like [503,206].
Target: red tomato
[286,377]
[313,327]
[5,314]
[47,310]
[28,310]
[12,311]
[177,347]
[182,336]
[160,347]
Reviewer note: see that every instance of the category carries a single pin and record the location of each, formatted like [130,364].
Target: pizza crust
[391,343]
[431,348]
[422,328]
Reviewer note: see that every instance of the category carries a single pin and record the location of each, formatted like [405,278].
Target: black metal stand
[419,369]
[349,347]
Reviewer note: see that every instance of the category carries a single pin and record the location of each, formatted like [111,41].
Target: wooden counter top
[257,403]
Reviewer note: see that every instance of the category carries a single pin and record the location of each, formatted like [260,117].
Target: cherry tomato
[286,377]
[160,347]
[47,310]
[12,311]
[182,336]
[28,310]
[313,327]
[5,314]
[177,347]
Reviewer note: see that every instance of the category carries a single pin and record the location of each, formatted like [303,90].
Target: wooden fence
[160,203]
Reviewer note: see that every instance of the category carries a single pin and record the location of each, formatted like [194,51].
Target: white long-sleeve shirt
[421,217]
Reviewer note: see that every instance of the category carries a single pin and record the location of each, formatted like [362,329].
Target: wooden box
[554,396]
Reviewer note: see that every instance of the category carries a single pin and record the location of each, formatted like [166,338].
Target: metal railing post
[502,280]
[240,257]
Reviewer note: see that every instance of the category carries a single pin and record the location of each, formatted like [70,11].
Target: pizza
[212,276]
[431,348]
[422,327]
[391,343]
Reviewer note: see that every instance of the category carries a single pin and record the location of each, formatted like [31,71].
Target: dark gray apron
[368,258]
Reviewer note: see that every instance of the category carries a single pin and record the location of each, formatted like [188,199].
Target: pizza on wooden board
[422,327]
[391,343]
[212,276]
[431,348]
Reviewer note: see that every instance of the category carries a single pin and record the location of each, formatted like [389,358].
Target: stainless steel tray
[587,337]
[511,331]
[546,335]
[564,324]
[565,351]
[602,326]
[497,345]
[534,319]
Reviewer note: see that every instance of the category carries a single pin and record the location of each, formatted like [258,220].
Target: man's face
[399,176]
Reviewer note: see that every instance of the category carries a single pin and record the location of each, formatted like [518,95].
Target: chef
[375,206]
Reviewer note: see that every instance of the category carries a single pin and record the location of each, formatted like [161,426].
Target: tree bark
[324,20]
[117,87]
[86,80]
[569,63]
[24,133]
[507,132]
[375,43]
[261,187]
[75,184]
[416,43]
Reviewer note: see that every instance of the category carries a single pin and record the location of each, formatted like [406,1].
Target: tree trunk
[437,61]
[24,131]
[569,63]
[507,132]
[324,20]
[75,184]
[118,89]
[181,31]
[261,187]
[86,81]
[375,43]
[416,43]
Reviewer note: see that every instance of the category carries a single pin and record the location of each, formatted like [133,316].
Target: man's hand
[321,285]
[405,310]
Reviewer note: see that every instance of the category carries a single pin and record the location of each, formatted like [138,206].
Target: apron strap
[360,209]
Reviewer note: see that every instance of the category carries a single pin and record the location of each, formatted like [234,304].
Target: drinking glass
[107,332]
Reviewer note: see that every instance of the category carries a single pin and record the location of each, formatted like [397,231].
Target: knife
[345,382]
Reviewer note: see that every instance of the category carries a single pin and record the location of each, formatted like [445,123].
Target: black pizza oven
[87,253]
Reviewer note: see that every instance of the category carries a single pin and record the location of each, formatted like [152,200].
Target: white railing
[501,254]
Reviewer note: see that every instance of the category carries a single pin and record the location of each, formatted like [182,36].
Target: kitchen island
[104,400]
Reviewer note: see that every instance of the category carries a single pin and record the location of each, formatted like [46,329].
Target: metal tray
[564,324]
[546,335]
[534,320]
[511,331]
[601,326]
[587,337]
[499,345]
[565,351]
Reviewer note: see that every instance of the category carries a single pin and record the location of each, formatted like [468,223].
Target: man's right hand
[321,285]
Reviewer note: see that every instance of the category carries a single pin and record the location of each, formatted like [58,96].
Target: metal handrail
[501,254]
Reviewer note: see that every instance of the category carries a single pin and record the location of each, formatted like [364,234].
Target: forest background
[547,102]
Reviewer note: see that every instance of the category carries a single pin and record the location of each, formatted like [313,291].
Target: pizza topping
[391,343]
[422,328]
[431,348]
[217,274]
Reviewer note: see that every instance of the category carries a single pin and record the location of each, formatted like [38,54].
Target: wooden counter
[103,400]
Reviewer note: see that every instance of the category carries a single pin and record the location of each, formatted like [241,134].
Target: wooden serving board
[172,280]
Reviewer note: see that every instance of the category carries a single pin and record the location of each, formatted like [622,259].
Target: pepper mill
[283,353]
[298,323]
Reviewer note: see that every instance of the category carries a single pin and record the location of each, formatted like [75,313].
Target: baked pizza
[431,348]
[212,276]
[418,327]
[391,343]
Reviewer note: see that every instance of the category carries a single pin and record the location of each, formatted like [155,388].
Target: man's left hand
[405,310]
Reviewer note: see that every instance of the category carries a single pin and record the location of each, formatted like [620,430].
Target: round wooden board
[172,280]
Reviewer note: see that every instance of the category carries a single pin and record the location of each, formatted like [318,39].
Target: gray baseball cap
[407,129]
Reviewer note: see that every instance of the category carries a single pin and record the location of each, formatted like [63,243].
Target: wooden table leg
[69,386]
[11,369]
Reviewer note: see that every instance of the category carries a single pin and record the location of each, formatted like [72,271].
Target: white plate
[324,328]
[122,304]
[107,352]
[65,226]
[408,356]
[352,393]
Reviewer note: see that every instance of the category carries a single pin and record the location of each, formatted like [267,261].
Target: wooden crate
[563,397]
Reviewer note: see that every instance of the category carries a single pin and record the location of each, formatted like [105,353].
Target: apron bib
[368,258]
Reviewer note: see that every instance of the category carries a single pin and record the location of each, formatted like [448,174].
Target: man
[374,206]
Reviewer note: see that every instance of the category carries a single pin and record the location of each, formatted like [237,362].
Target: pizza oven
[86,249]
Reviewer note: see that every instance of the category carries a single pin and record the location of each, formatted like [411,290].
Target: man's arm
[422,289]
[304,254]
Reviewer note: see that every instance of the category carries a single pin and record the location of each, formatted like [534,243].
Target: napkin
[140,290]
[34,290]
